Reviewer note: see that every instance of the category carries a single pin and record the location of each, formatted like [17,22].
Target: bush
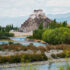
[5,35]
[15,59]
[42,49]
[25,58]
[11,35]
[10,43]
[1,48]
[22,58]
[60,55]
[33,57]
[30,37]
[54,56]
[37,34]
[57,35]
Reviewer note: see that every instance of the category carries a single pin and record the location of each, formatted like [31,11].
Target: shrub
[22,58]
[5,35]
[25,58]
[11,34]
[46,35]
[1,48]
[42,49]
[37,34]
[61,55]
[15,59]
[53,56]
[57,35]
[33,57]
[10,43]
[30,37]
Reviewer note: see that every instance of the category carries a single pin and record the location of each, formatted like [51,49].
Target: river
[23,41]
[53,66]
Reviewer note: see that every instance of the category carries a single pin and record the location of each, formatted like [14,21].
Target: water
[54,66]
[22,40]
[3,42]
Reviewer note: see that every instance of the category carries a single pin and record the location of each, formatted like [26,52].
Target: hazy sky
[16,8]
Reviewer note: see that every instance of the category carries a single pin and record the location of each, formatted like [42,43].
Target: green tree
[57,35]
[38,34]
[53,24]
[64,23]
[41,25]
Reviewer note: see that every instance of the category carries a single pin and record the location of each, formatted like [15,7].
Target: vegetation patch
[18,58]
[54,33]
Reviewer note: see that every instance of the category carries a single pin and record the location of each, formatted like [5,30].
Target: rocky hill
[34,21]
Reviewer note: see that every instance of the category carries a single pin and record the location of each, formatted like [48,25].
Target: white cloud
[58,11]
[59,3]
[16,8]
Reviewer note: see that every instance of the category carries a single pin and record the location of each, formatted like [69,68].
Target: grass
[33,67]
[65,67]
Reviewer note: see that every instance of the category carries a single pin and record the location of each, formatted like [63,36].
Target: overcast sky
[17,8]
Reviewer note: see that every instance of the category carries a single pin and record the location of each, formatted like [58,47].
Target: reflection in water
[3,42]
[54,66]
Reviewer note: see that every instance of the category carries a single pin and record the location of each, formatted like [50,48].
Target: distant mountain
[35,19]
[60,17]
